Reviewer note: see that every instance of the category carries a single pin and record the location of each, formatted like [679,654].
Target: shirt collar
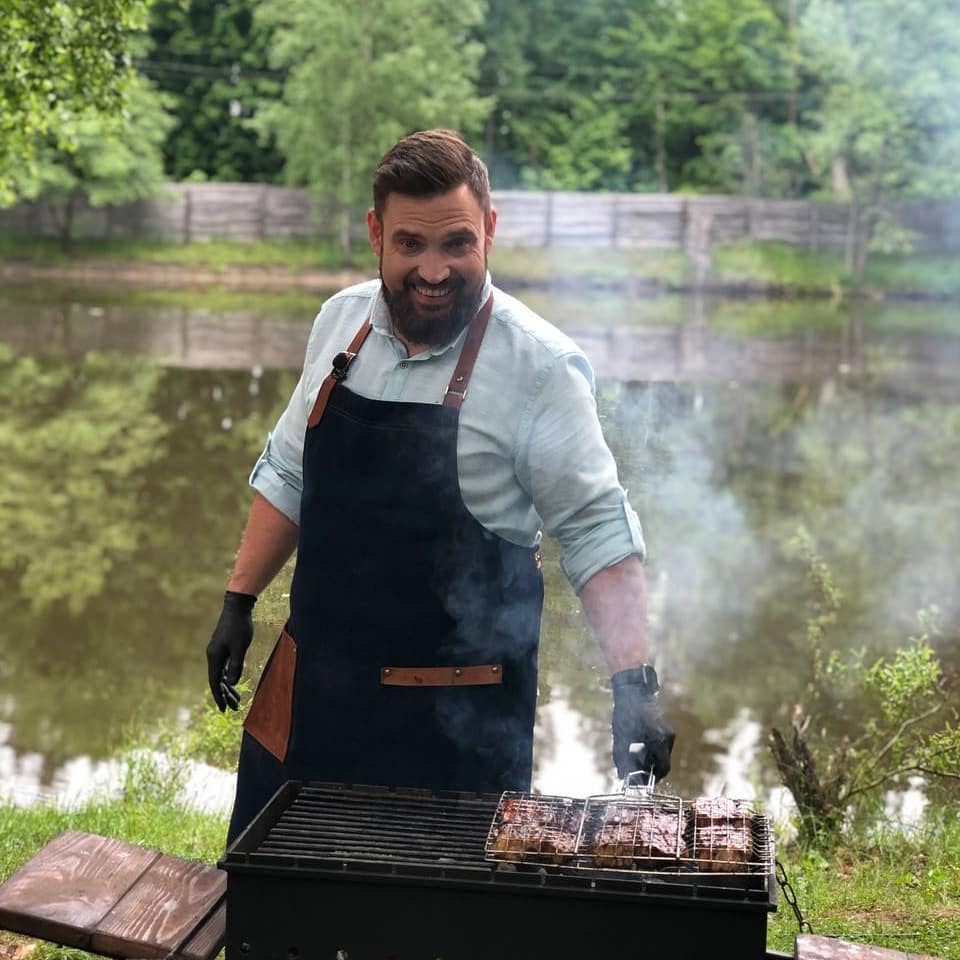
[381,323]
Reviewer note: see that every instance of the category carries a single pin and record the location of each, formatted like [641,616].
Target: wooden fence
[248,211]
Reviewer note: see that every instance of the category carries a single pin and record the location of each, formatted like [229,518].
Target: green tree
[705,84]
[60,59]
[583,147]
[211,55]
[558,121]
[888,125]
[361,76]
[99,157]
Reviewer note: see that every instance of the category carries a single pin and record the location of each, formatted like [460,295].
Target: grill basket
[718,839]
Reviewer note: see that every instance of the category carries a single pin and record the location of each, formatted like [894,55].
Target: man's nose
[433,268]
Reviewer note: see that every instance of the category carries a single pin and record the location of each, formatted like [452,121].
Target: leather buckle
[341,364]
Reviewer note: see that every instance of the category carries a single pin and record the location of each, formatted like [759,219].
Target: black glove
[638,718]
[227,646]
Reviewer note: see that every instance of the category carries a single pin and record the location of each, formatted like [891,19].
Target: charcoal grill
[339,872]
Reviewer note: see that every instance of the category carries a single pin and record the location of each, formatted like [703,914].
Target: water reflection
[22,780]
[128,433]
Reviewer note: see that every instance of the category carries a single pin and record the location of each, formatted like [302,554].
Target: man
[437,425]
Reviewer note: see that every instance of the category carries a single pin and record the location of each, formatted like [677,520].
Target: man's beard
[432,328]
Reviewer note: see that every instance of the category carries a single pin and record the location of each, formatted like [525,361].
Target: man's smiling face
[433,262]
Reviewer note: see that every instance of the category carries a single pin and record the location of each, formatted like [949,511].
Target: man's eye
[410,245]
[458,245]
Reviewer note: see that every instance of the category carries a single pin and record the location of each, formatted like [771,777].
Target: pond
[130,424]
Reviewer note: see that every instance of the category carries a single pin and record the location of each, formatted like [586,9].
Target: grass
[933,274]
[540,265]
[891,890]
[293,253]
[779,265]
[803,271]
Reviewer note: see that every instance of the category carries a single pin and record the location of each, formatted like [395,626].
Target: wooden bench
[811,947]
[117,899]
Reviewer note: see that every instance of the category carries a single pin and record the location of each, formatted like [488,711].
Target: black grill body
[334,872]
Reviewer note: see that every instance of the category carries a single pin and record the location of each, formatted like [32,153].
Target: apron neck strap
[456,391]
[341,363]
[457,388]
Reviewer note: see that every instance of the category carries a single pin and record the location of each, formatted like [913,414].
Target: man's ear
[489,228]
[375,232]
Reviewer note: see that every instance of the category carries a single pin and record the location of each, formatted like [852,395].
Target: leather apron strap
[341,363]
[456,390]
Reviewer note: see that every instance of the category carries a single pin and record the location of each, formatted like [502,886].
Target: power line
[233,72]
[505,94]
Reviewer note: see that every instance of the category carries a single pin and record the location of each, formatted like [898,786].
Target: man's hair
[427,164]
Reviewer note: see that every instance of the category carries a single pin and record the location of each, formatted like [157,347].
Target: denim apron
[410,655]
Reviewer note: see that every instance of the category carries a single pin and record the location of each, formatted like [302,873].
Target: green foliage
[72,439]
[101,157]
[358,78]
[880,886]
[211,57]
[156,753]
[585,148]
[214,737]
[696,73]
[909,724]
[826,596]
[887,123]
[294,253]
[61,59]
[779,265]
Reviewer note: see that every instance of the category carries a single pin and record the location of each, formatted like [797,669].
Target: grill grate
[369,825]
[514,838]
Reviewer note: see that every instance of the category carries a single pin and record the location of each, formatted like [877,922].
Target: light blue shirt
[530,452]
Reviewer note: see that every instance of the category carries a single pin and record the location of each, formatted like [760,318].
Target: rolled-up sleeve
[278,473]
[568,470]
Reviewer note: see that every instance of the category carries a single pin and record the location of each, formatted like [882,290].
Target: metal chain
[790,896]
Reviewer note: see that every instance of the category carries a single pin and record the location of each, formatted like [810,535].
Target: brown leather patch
[441,676]
[271,712]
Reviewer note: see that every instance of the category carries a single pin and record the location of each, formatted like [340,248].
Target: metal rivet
[458,672]
[459,379]
[387,671]
[495,669]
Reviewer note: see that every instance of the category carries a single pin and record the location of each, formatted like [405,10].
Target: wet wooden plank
[64,892]
[812,947]
[161,910]
[207,941]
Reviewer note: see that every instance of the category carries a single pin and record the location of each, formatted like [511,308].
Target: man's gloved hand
[638,718]
[227,647]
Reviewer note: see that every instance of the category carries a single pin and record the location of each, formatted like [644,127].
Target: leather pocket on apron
[271,712]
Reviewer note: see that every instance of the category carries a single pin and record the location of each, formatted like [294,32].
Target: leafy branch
[910,728]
